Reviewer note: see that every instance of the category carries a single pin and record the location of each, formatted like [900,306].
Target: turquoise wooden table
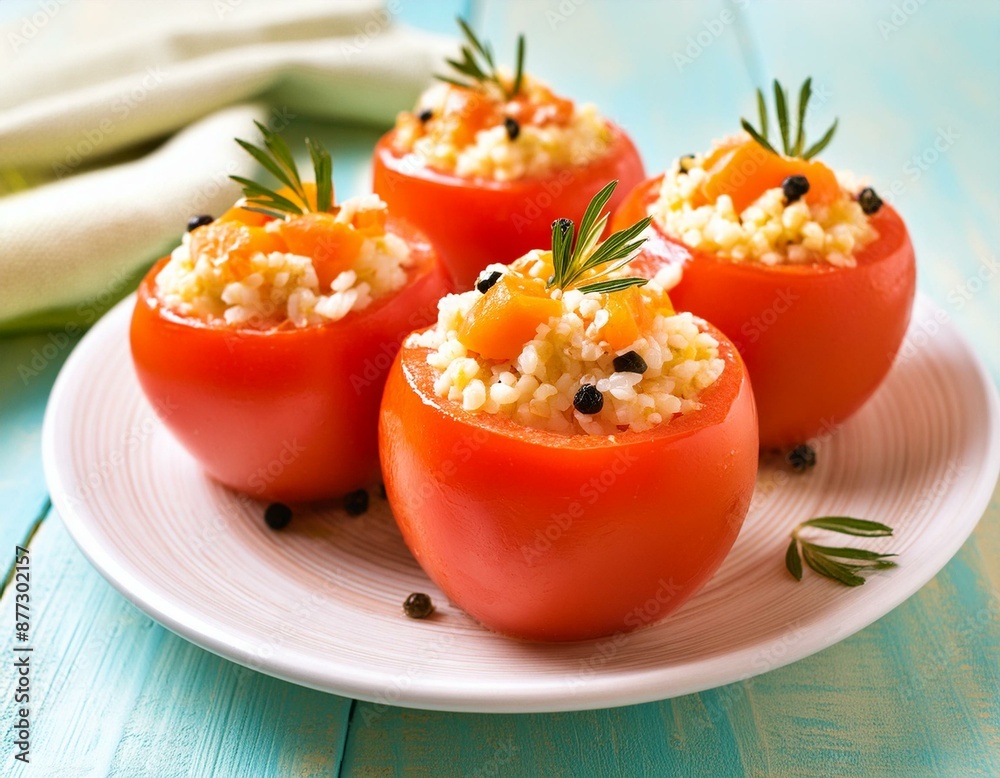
[915,85]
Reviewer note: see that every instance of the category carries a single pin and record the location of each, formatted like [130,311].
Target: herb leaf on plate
[832,561]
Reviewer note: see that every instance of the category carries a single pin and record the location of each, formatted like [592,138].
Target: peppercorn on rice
[479,133]
[771,230]
[268,289]
[678,360]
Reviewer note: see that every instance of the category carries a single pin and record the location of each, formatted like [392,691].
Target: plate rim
[627,687]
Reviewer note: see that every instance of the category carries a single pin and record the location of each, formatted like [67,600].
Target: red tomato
[474,222]
[550,537]
[282,414]
[817,339]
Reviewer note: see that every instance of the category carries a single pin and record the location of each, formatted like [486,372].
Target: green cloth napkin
[117,120]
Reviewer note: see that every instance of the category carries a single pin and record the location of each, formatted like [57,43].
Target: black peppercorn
[418,606]
[794,187]
[630,362]
[512,127]
[869,201]
[277,515]
[485,283]
[199,221]
[356,502]
[425,115]
[802,457]
[588,399]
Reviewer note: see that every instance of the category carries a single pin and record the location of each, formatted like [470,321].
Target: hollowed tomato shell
[549,537]
[474,222]
[817,339]
[287,414]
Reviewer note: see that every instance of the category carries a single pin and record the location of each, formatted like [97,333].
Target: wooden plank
[116,694]
[915,694]
[28,367]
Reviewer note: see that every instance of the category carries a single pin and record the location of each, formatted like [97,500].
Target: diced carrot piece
[745,172]
[721,150]
[626,314]
[371,223]
[232,241]
[243,216]
[333,246]
[506,317]
[545,108]
[469,111]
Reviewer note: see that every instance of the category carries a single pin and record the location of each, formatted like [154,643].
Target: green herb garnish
[828,560]
[590,255]
[277,159]
[793,147]
[477,64]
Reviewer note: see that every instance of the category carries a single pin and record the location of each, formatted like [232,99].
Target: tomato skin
[287,414]
[817,339]
[474,222]
[547,537]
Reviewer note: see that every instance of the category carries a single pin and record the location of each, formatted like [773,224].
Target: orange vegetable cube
[333,246]
[506,317]
[745,172]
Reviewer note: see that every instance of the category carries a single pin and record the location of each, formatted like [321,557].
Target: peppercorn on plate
[164,533]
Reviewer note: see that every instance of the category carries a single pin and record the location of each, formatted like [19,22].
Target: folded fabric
[83,89]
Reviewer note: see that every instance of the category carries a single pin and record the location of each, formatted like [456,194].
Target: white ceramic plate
[319,602]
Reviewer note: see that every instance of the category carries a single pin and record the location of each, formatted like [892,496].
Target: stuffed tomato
[566,456]
[810,274]
[264,339]
[487,160]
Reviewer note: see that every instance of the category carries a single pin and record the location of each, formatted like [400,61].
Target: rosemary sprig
[829,560]
[276,158]
[590,255]
[792,145]
[477,64]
